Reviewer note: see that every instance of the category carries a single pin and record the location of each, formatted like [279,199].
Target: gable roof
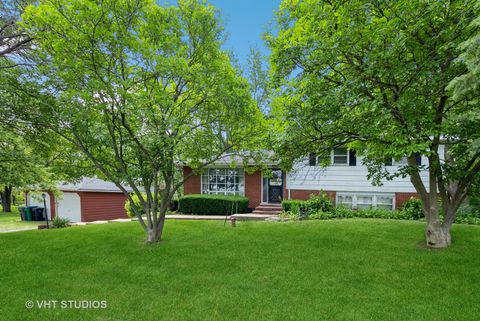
[91,184]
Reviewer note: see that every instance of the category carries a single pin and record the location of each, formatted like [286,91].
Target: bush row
[320,207]
[212,204]
[411,210]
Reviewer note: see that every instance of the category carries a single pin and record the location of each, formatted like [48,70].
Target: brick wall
[253,188]
[401,198]
[193,184]
[102,206]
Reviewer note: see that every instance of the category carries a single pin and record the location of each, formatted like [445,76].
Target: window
[385,202]
[345,201]
[401,162]
[340,156]
[225,181]
[312,159]
[366,201]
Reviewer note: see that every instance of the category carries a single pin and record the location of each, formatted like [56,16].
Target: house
[345,182]
[89,200]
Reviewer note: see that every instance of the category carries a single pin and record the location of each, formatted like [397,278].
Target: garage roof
[89,184]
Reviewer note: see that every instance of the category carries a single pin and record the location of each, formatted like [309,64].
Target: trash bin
[21,210]
[38,214]
[29,213]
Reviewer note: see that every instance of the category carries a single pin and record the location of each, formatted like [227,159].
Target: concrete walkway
[239,217]
[20,229]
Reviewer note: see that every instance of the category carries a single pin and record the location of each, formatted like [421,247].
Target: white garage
[69,206]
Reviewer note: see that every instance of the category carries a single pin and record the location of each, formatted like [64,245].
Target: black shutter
[312,159]
[418,158]
[388,161]
[353,158]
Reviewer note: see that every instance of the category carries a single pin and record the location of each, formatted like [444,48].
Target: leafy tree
[20,167]
[257,75]
[139,89]
[12,40]
[373,75]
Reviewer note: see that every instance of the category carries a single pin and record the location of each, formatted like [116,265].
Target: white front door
[68,206]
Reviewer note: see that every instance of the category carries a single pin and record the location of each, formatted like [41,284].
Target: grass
[11,221]
[356,269]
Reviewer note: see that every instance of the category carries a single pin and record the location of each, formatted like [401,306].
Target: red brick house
[345,182]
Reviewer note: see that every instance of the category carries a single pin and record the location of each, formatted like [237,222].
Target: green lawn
[11,221]
[313,270]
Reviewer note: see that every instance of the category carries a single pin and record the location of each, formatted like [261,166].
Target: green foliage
[319,202]
[413,208]
[212,204]
[60,222]
[305,208]
[374,76]
[292,205]
[136,203]
[136,86]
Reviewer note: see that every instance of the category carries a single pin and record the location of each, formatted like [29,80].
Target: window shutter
[352,157]
[388,161]
[312,159]
[418,158]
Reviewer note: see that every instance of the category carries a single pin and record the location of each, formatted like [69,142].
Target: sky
[245,22]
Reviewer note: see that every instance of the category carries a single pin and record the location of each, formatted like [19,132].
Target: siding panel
[346,178]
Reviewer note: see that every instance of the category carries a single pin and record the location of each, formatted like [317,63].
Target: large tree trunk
[437,236]
[6,196]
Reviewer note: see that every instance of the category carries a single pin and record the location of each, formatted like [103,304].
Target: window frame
[375,199]
[241,181]
[332,157]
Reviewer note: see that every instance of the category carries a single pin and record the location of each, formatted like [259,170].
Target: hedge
[212,204]
[289,205]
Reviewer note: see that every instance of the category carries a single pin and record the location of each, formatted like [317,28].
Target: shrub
[60,222]
[212,204]
[316,203]
[319,202]
[292,205]
[136,202]
[412,209]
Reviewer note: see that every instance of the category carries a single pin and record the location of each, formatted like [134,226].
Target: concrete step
[268,207]
[269,212]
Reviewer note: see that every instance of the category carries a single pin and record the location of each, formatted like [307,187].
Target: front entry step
[266,209]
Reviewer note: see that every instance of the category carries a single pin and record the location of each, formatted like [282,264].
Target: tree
[12,40]
[257,75]
[139,89]
[373,75]
[21,167]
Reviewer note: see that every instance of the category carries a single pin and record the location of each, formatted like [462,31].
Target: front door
[275,186]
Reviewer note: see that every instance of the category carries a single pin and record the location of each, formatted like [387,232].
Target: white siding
[346,179]
[37,200]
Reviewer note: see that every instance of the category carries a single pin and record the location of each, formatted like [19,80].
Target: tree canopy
[139,89]
[374,76]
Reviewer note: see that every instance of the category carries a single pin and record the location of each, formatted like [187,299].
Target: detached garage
[90,200]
